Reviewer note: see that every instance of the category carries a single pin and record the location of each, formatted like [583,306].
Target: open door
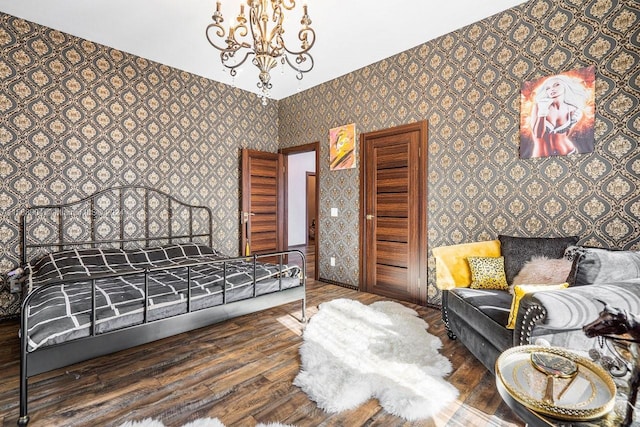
[262,202]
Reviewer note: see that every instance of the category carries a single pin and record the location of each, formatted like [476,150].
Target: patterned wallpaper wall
[466,84]
[77,117]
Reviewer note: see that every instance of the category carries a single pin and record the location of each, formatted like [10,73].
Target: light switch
[334,211]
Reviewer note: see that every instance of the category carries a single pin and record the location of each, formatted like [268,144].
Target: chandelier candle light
[268,45]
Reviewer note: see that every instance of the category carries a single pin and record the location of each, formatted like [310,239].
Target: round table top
[542,399]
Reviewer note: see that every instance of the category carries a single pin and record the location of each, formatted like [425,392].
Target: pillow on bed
[57,264]
[188,249]
[41,265]
[53,267]
[101,257]
[175,251]
[75,263]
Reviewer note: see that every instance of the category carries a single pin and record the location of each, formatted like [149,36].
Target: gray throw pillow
[595,265]
[518,250]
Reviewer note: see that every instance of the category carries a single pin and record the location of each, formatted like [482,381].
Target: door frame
[315,200]
[305,148]
[420,127]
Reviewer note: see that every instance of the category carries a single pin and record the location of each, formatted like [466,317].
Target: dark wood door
[394,195]
[261,202]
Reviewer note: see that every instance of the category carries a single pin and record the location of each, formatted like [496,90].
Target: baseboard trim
[333,282]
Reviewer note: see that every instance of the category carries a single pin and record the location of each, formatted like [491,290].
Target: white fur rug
[202,422]
[353,352]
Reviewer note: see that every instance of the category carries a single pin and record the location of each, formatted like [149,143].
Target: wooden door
[261,202]
[394,201]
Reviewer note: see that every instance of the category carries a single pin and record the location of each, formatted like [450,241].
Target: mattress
[61,307]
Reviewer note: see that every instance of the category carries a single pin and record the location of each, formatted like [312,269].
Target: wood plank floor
[240,371]
[309,251]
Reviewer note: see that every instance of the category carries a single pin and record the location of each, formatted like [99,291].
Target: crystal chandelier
[268,47]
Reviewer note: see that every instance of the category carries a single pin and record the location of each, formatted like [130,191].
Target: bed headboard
[125,217]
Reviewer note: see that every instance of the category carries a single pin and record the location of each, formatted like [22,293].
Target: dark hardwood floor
[239,371]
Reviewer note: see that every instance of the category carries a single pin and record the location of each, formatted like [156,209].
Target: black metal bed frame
[59,355]
[61,243]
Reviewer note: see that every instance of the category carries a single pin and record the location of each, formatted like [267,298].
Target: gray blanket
[61,307]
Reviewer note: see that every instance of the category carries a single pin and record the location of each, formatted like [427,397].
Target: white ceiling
[350,33]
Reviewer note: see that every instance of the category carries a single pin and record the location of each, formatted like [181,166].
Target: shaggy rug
[353,352]
[202,422]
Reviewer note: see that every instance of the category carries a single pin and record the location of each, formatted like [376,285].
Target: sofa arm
[559,315]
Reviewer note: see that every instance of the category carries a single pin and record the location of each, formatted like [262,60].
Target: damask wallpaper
[77,117]
[467,85]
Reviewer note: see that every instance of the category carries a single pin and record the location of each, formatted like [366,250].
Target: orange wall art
[557,114]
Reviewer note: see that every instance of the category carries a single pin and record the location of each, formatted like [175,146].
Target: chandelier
[268,46]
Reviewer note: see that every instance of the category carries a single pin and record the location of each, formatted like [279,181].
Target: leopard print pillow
[487,273]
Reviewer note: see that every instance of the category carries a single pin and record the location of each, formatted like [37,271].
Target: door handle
[245,216]
[369,217]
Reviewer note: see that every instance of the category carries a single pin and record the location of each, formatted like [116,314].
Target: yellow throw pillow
[452,268]
[520,291]
[487,273]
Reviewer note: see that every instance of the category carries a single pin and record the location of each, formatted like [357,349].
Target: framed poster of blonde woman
[557,114]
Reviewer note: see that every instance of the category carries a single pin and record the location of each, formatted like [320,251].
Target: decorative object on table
[554,366]
[262,40]
[587,394]
[618,327]
[342,147]
[353,352]
[557,114]
[614,323]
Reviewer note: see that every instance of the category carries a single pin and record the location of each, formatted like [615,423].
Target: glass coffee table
[550,386]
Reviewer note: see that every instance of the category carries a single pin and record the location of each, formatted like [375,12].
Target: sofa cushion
[487,311]
[452,268]
[518,250]
[520,291]
[487,272]
[594,265]
[543,271]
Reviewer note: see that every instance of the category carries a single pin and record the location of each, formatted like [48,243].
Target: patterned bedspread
[61,309]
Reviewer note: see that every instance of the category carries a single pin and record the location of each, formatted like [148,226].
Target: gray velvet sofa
[478,317]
